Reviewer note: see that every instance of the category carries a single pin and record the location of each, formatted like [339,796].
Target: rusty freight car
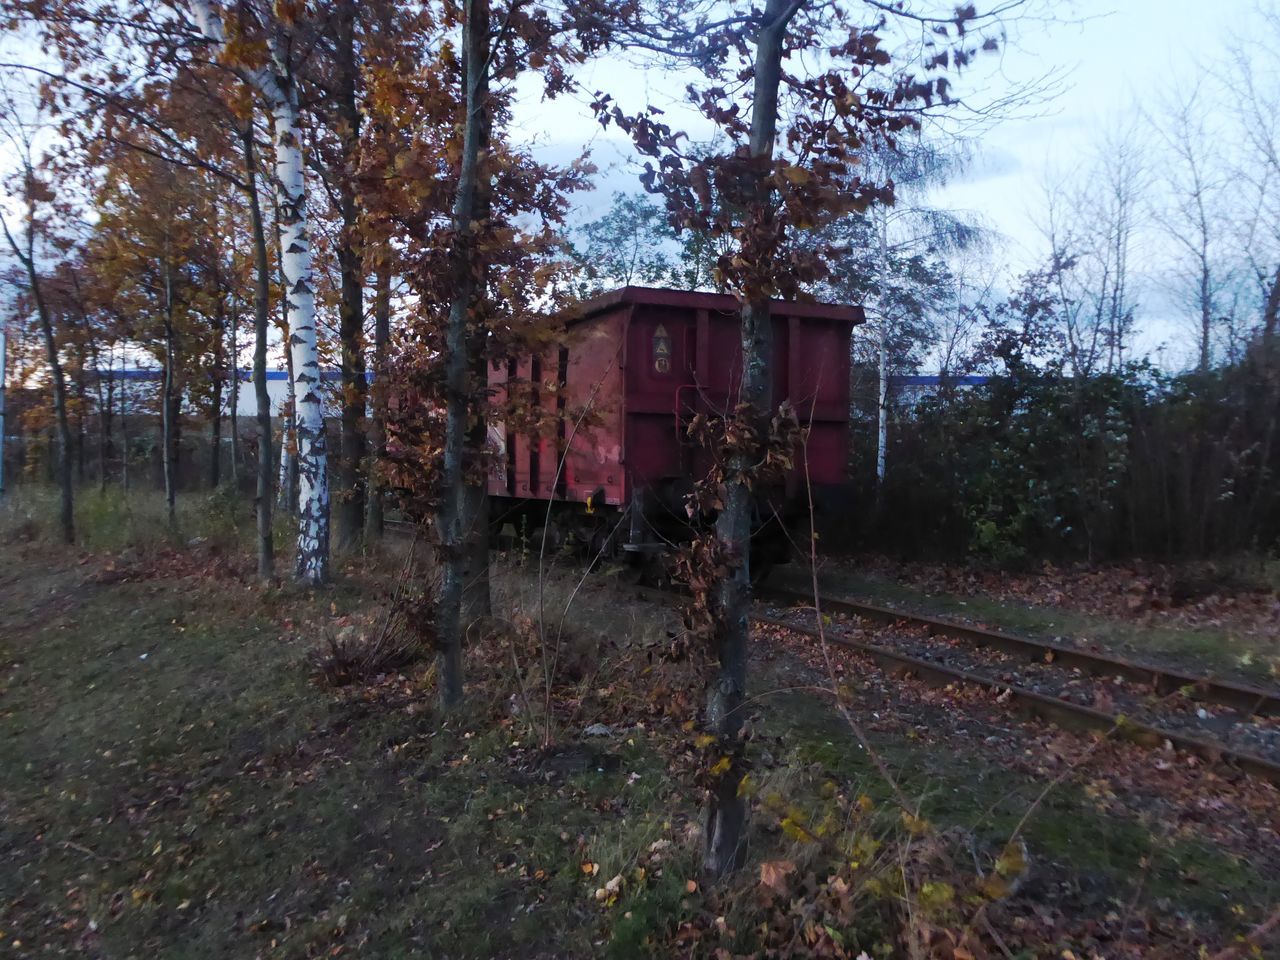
[633,367]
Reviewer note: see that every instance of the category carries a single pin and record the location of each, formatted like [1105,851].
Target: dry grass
[232,809]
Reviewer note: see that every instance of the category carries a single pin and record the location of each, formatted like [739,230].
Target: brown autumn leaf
[774,873]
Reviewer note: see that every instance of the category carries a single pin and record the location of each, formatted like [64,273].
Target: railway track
[1078,689]
[1242,698]
[1144,704]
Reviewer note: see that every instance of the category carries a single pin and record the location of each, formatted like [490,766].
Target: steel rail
[1039,706]
[1029,703]
[1247,700]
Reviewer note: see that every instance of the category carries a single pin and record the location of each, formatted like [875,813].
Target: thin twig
[80,848]
[856,727]
[405,571]
[549,664]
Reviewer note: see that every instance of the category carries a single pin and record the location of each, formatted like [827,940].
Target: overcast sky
[1124,56]
[1110,61]
[1111,58]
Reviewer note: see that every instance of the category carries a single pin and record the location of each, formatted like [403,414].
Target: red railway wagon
[633,367]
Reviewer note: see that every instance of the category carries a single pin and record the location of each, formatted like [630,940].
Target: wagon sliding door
[818,387]
[659,371]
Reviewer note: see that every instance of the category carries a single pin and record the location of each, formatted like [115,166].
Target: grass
[1109,855]
[174,786]
[1211,648]
[205,801]
[173,779]
[113,519]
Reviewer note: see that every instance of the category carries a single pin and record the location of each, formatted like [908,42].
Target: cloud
[991,163]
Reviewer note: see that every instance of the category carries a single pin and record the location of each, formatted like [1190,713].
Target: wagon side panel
[818,374]
[594,409]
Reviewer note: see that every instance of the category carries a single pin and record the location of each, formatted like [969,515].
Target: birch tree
[276,82]
[893,259]
[334,86]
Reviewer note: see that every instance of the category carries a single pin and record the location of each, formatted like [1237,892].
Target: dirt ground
[176,784]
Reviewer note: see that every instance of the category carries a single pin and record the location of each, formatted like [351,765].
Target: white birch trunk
[312,564]
[277,86]
[882,405]
[285,487]
[234,400]
[882,427]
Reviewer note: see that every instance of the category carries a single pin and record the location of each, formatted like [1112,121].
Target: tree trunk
[312,562]
[168,441]
[882,404]
[882,410]
[124,430]
[261,327]
[1206,319]
[726,816]
[288,446]
[233,401]
[476,597]
[452,519]
[350,500]
[277,85]
[381,339]
[66,513]
[215,413]
[288,486]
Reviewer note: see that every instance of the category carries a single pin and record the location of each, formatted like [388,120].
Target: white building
[139,389]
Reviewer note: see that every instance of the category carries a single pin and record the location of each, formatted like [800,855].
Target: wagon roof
[697,300]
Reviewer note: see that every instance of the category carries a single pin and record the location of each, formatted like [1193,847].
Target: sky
[1108,59]
[1121,57]
[1105,62]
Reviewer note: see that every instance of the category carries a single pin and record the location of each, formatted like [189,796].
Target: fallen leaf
[774,873]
